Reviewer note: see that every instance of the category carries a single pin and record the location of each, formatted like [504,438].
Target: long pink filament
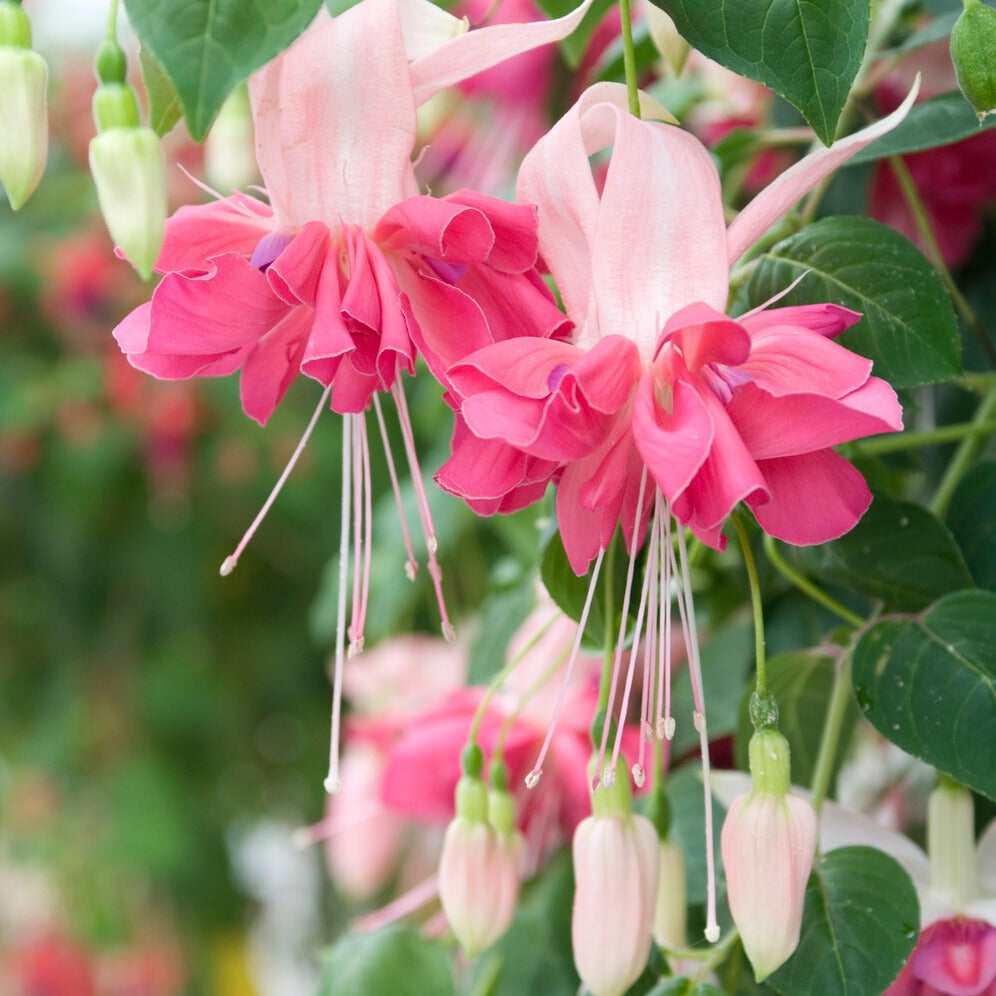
[411,564]
[423,507]
[534,775]
[356,623]
[332,778]
[228,565]
[608,774]
[646,698]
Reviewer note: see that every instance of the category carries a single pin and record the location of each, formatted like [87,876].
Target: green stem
[895,441]
[629,58]
[755,601]
[836,709]
[499,678]
[914,202]
[806,586]
[963,456]
[112,21]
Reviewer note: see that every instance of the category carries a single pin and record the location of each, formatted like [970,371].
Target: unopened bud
[128,170]
[615,870]
[23,107]
[973,44]
[768,843]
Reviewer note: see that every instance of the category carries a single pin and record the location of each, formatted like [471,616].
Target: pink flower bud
[615,869]
[479,871]
[768,842]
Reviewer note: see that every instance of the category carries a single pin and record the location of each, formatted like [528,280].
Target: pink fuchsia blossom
[717,410]
[347,263]
[615,871]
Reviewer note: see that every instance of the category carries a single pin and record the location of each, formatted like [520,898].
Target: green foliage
[809,53]
[928,684]
[970,518]
[207,47]
[859,924]
[396,960]
[899,553]
[164,102]
[909,326]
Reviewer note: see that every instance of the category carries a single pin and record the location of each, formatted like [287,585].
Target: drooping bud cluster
[616,873]
[480,867]
[127,165]
[23,106]
[768,844]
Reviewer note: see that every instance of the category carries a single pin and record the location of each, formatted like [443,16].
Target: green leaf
[500,615]
[899,552]
[809,53]
[909,327]
[859,925]
[535,955]
[928,684]
[337,7]
[396,960]
[971,520]
[683,789]
[207,47]
[944,119]
[801,681]
[164,104]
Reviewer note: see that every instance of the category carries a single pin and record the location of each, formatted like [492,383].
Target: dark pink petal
[228,307]
[523,367]
[394,346]
[674,441]
[705,335]
[825,319]
[814,498]
[800,423]
[197,232]
[352,388]
[790,360]
[360,306]
[443,322]
[167,367]
[957,957]
[441,229]
[516,243]
[329,338]
[294,274]
[583,531]
[132,332]
[273,364]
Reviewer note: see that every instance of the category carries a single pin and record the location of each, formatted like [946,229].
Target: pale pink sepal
[769,205]
[471,52]
[768,844]
[335,120]
[615,872]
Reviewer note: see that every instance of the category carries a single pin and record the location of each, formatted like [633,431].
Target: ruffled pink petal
[522,367]
[475,51]
[294,274]
[728,475]
[825,319]
[226,308]
[769,205]
[438,228]
[335,120]
[673,443]
[784,359]
[132,332]
[444,323]
[197,232]
[273,364]
[774,427]
[516,243]
[813,498]
[329,338]
[352,389]
[707,336]
[957,957]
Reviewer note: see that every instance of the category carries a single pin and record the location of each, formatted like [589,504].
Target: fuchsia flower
[656,378]
[348,270]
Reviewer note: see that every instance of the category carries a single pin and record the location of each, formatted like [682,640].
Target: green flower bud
[111,65]
[115,106]
[15,28]
[973,42]
[769,763]
[23,119]
[128,169]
